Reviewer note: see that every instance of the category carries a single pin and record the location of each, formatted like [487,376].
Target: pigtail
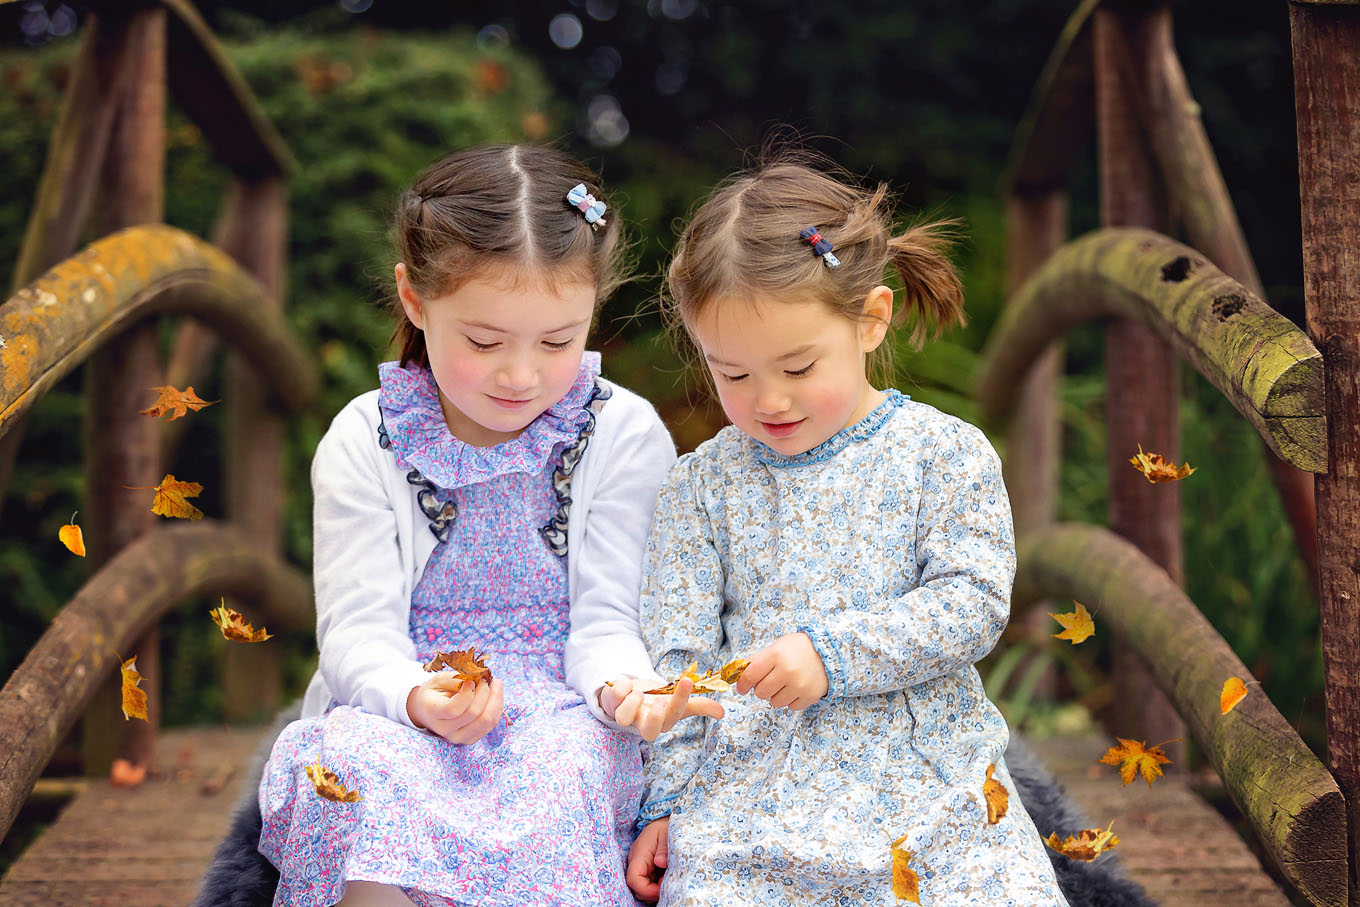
[931,287]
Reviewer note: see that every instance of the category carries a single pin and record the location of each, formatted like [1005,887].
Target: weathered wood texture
[53,323]
[1200,201]
[1142,377]
[1263,364]
[41,700]
[1179,848]
[120,445]
[1280,786]
[144,847]
[1326,43]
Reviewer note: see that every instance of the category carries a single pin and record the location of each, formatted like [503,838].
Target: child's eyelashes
[731,379]
[555,346]
[802,372]
[482,347]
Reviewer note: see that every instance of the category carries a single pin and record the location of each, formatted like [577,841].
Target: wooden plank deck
[147,847]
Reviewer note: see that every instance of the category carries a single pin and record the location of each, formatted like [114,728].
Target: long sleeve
[362,605]
[681,622]
[604,641]
[965,554]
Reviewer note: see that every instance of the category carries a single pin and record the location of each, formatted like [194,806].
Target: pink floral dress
[540,811]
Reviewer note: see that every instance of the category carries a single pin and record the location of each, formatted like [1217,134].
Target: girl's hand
[647,860]
[787,672]
[653,714]
[456,710]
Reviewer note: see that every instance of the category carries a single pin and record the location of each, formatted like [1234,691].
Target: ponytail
[930,287]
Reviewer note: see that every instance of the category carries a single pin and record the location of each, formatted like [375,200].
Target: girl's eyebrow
[791,354]
[483,326]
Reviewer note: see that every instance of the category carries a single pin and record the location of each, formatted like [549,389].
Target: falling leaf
[997,797]
[176,402]
[72,537]
[905,884]
[468,664]
[327,784]
[719,681]
[1077,625]
[1157,469]
[1086,845]
[134,697]
[234,626]
[1234,691]
[1133,757]
[171,497]
[124,774]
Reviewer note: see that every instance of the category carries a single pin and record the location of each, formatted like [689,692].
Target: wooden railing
[104,175]
[1115,68]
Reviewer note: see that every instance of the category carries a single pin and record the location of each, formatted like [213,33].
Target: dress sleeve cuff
[831,658]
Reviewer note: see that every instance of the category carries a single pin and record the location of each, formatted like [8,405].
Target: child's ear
[875,318]
[410,299]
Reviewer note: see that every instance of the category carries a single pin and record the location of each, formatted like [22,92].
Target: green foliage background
[363,110]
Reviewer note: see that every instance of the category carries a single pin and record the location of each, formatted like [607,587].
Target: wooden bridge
[1114,69]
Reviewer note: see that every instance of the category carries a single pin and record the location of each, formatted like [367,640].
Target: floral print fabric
[891,546]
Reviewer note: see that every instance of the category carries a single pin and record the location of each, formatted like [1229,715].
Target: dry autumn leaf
[234,626]
[1157,469]
[124,774]
[327,784]
[997,797]
[176,402]
[1086,845]
[719,681]
[134,697]
[1134,757]
[467,665]
[1234,691]
[170,498]
[905,884]
[72,537]
[1077,625]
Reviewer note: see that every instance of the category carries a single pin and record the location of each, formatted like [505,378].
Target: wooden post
[121,446]
[1142,372]
[1326,45]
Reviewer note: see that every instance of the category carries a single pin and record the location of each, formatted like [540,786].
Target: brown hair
[743,241]
[503,210]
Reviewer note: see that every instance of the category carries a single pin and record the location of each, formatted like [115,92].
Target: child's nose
[772,400]
[519,373]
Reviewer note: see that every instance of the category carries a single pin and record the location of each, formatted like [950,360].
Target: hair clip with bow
[820,246]
[590,206]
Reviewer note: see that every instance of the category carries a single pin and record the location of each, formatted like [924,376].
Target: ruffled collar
[420,439]
[842,439]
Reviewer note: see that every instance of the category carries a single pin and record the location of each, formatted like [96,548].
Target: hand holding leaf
[460,712]
[654,713]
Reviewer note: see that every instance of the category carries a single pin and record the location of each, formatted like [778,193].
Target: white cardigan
[371,543]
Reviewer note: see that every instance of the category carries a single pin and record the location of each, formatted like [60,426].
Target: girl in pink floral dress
[494,492]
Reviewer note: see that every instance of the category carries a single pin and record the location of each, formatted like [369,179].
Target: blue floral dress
[891,546]
[539,812]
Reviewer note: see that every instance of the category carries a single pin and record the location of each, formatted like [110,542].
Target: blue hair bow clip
[820,246]
[591,207]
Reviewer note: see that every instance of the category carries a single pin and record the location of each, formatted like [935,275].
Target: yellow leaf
[1078,625]
[1157,469]
[72,537]
[1234,691]
[905,884]
[327,784]
[997,797]
[234,626]
[719,681]
[170,498]
[1086,845]
[1133,757]
[175,402]
[134,697]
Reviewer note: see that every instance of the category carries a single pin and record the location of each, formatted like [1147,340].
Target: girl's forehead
[760,327]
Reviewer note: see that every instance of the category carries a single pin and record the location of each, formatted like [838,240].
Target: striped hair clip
[590,206]
[820,246]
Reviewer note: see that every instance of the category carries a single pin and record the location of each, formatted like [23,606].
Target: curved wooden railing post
[1326,50]
[1141,372]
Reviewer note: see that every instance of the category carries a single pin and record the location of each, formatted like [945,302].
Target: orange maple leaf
[1234,691]
[1086,845]
[719,681]
[124,774]
[327,784]
[1157,469]
[1078,625]
[467,664]
[1134,757]
[134,697]
[171,497]
[71,536]
[176,402]
[905,883]
[234,626]
[997,797]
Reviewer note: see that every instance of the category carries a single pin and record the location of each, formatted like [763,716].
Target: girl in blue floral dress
[493,493]
[857,547]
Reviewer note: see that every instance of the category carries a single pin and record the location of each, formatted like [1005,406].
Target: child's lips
[782,429]
[505,403]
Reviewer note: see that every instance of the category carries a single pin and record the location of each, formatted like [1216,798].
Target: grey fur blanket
[240,876]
